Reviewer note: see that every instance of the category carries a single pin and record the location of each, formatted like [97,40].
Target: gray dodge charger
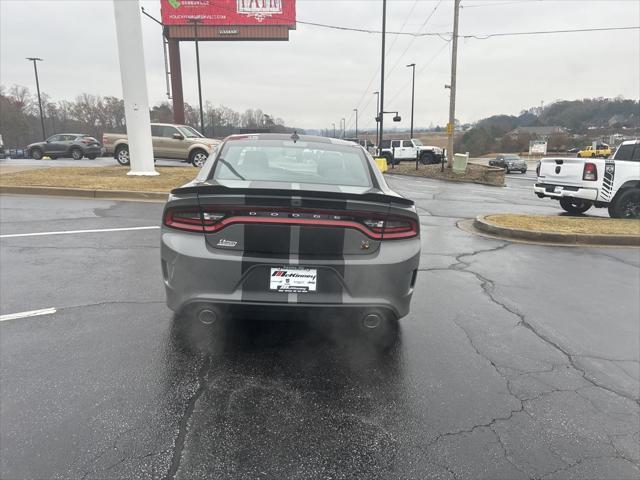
[288,221]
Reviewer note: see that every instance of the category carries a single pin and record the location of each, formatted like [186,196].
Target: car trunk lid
[265,219]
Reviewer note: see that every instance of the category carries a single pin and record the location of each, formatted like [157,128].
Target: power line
[444,35]
[414,38]
[395,39]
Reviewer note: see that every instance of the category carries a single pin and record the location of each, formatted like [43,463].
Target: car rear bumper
[197,273]
[559,191]
[97,150]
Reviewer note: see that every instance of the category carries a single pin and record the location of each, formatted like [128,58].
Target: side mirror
[177,136]
[397,118]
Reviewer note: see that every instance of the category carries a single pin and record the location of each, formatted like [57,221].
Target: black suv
[74,145]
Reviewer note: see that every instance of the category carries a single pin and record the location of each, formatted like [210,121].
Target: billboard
[229,12]
[537,147]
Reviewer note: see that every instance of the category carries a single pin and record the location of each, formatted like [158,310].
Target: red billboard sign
[229,12]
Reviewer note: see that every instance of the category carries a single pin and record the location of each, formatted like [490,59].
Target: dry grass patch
[475,173]
[101,178]
[558,224]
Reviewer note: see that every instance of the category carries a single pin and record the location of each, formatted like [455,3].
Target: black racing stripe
[263,247]
[314,240]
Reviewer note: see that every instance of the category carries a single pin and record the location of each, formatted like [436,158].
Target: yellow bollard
[382,164]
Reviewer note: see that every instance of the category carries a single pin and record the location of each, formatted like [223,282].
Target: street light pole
[413,91]
[377,94]
[356,110]
[35,69]
[381,107]
[195,22]
[452,86]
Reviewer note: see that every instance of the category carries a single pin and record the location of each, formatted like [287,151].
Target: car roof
[630,142]
[287,136]
[76,134]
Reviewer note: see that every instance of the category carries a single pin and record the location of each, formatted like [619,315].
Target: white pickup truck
[580,183]
[396,151]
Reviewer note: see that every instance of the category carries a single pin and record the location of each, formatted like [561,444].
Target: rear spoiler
[208,189]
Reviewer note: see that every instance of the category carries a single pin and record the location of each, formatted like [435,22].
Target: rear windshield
[286,161]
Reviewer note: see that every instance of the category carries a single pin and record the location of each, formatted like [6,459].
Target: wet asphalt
[517,361]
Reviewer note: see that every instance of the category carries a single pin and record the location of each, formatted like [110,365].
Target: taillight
[392,228]
[191,219]
[590,172]
[214,218]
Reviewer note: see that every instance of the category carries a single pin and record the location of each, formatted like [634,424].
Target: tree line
[583,120]
[94,115]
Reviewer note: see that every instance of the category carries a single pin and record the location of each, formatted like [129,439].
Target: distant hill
[578,118]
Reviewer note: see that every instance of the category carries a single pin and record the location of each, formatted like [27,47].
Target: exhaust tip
[371,321]
[207,316]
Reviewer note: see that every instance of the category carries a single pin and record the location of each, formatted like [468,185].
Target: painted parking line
[31,313]
[72,232]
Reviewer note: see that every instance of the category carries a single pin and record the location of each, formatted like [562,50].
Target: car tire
[76,154]
[627,204]
[53,157]
[524,170]
[198,157]
[575,206]
[506,170]
[427,158]
[36,154]
[92,157]
[579,156]
[122,155]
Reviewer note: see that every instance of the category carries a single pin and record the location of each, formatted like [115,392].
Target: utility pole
[35,69]
[381,106]
[356,110]
[452,86]
[195,22]
[413,91]
[377,94]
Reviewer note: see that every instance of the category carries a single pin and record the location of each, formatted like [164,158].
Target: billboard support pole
[134,86]
[175,68]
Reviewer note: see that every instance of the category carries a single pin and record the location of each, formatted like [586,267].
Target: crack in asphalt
[488,285]
[183,425]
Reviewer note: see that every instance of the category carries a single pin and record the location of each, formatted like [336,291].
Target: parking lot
[516,361]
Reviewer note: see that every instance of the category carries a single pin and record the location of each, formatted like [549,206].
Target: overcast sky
[321,75]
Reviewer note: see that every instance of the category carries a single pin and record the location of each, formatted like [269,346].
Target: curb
[482,224]
[450,180]
[86,193]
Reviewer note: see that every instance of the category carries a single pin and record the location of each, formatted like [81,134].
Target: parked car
[511,163]
[573,150]
[170,141]
[396,151]
[581,184]
[601,151]
[74,145]
[280,222]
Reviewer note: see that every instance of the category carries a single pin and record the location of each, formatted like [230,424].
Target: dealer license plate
[293,280]
[558,190]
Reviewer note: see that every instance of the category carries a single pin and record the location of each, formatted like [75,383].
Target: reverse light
[590,172]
